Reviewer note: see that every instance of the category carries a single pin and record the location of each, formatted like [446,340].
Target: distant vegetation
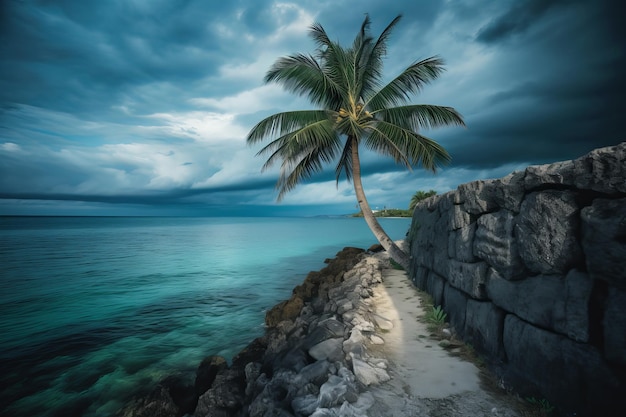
[394,212]
[419,196]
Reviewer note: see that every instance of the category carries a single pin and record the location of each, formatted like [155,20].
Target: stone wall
[531,269]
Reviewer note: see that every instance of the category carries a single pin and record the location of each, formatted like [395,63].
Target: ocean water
[95,310]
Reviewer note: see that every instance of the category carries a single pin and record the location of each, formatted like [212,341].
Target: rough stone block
[604,240]
[553,302]
[547,232]
[455,303]
[478,196]
[469,278]
[458,218]
[419,277]
[494,242]
[602,170]
[558,173]
[484,324]
[615,327]
[573,375]
[434,287]
[509,191]
[464,243]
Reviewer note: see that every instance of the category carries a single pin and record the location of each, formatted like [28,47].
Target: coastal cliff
[531,270]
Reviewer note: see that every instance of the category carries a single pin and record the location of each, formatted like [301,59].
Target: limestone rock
[337,390]
[604,240]
[367,374]
[331,349]
[547,231]
[355,343]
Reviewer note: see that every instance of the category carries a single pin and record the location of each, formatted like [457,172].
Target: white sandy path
[427,368]
[425,379]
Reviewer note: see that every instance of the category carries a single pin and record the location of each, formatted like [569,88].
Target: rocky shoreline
[313,359]
[337,347]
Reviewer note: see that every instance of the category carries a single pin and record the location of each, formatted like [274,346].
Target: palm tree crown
[355,108]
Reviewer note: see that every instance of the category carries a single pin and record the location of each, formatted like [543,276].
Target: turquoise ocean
[95,310]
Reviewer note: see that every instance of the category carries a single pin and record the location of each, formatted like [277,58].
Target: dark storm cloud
[521,15]
[559,85]
[80,56]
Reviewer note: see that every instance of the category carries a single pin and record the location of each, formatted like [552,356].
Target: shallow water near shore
[97,309]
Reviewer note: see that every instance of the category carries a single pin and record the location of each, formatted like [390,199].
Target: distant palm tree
[419,196]
[355,108]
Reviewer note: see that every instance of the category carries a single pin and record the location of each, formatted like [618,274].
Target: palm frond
[406,146]
[303,75]
[291,145]
[345,162]
[372,64]
[398,91]
[302,160]
[421,116]
[281,123]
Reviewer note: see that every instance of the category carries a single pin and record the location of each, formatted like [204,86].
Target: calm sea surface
[94,310]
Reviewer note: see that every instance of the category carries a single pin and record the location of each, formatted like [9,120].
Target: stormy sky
[141,107]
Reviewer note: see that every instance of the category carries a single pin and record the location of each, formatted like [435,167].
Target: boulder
[331,349]
[207,371]
[335,391]
[287,310]
[367,374]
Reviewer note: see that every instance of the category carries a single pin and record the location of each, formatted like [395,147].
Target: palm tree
[419,196]
[355,109]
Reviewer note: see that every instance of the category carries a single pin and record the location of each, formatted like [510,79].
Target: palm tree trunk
[394,251]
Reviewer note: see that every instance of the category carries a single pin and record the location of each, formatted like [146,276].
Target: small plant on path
[436,317]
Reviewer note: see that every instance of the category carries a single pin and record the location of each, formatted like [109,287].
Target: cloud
[518,19]
[139,104]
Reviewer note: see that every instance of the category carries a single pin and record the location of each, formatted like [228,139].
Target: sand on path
[426,380]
